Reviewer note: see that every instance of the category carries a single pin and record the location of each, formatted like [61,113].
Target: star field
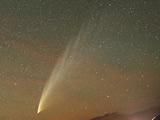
[116,66]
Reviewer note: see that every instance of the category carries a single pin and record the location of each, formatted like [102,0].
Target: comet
[63,65]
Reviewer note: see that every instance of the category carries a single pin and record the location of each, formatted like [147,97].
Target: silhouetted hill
[111,116]
[142,115]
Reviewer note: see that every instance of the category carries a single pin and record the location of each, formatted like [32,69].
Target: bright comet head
[38,111]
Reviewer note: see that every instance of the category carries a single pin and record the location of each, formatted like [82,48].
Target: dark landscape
[142,115]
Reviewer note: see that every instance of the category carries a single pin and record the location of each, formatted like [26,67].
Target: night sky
[111,49]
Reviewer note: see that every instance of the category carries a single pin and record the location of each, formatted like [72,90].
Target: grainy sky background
[120,70]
